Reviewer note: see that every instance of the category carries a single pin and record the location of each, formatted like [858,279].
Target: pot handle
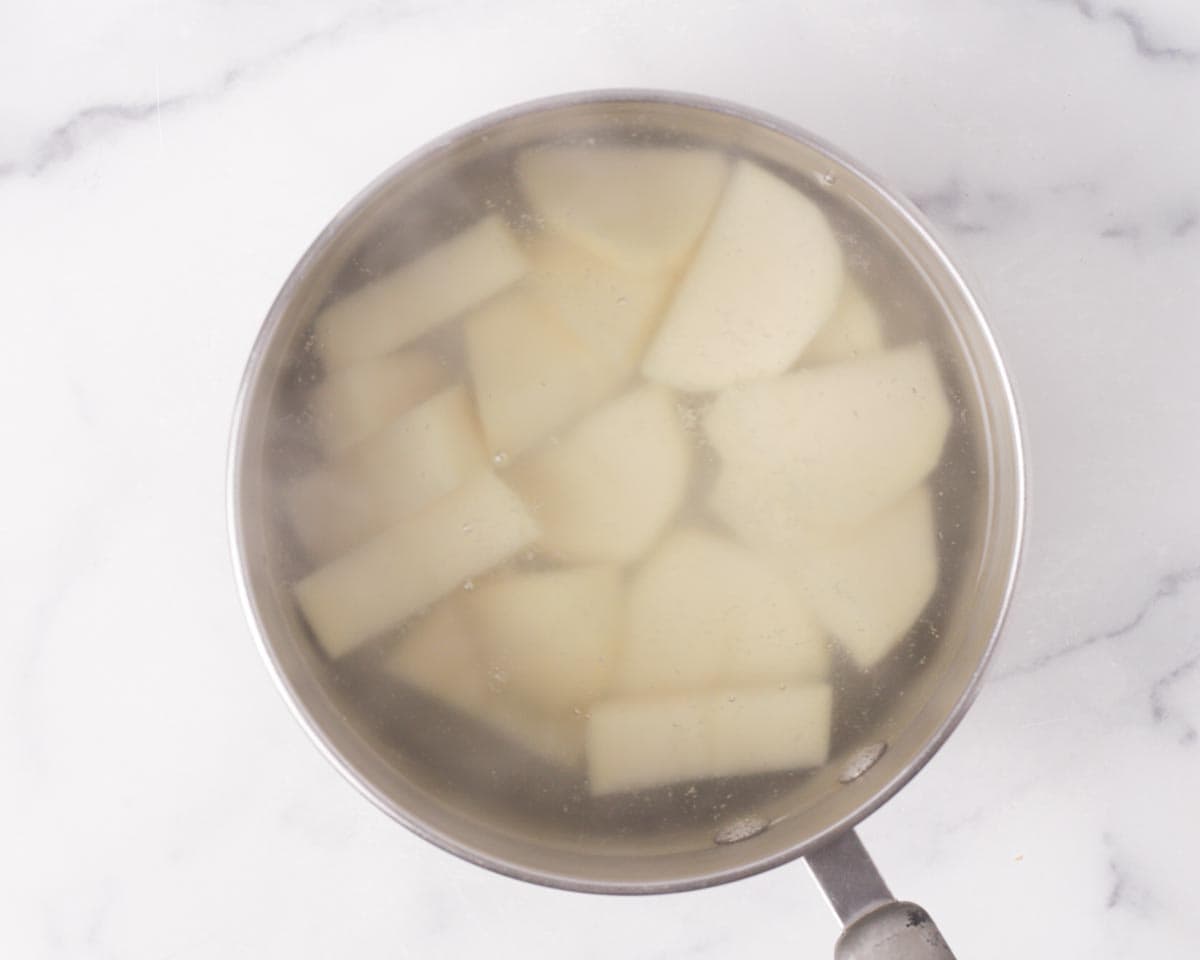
[878,927]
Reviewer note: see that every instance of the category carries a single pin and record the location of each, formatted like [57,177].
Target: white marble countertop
[162,165]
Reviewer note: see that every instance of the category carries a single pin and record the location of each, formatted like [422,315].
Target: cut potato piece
[771,729]
[379,584]
[832,445]
[640,208]
[425,453]
[532,375]
[765,278]
[390,312]
[422,455]
[869,584]
[552,637]
[760,512]
[610,487]
[355,402]
[613,312]
[854,330]
[633,744]
[704,610]
[440,658]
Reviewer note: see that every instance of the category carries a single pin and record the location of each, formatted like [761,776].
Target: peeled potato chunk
[423,454]
[380,583]
[764,279]
[638,743]
[440,657]
[532,375]
[854,330]
[353,403]
[612,311]
[608,490]
[868,584]
[645,743]
[640,208]
[760,512]
[831,445]
[551,637]
[451,278]
[768,729]
[704,609]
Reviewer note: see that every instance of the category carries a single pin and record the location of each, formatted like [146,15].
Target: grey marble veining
[96,121]
[1145,40]
[1172,584]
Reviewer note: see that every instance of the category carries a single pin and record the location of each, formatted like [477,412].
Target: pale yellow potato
[760,512]
[530,373]
[705,610]
[440,656]
[611,486]
[765,277]
[854,330]
[423,454]
[353,403]
[770,729]
[869,584]
[642,208]
[612,311]
[379,584]
[644,743]
[641,742]
[551,637]
[437,286]
[832,445]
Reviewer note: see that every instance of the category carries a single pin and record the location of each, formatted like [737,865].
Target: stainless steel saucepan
[632,851]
